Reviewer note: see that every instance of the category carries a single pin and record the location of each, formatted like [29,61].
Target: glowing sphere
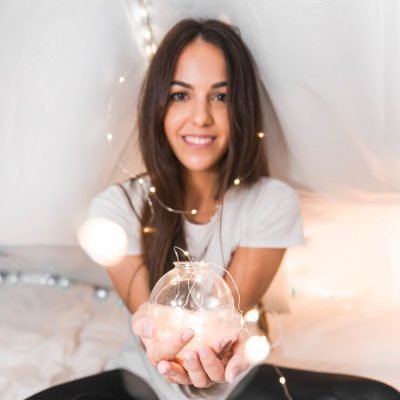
[191,295]
[257,349]
[252,315]
[104,241]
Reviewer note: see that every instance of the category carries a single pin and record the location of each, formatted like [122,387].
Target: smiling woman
[199,129]
[196,122]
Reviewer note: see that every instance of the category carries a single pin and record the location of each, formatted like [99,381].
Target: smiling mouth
[198,141]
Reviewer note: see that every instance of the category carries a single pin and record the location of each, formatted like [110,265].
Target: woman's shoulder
[131,186]
[270,189]
[121,194]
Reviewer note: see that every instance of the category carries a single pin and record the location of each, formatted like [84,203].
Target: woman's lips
[198,141]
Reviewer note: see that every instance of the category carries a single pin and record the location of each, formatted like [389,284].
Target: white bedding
[50,335]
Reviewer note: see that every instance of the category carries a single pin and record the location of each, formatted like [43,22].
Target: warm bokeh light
[257,349]
[252,315]
[104,241]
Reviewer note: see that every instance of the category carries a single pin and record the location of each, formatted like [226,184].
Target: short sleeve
[113,204]
[274,219]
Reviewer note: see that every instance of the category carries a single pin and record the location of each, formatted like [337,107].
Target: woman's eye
[178,96]
[220,97]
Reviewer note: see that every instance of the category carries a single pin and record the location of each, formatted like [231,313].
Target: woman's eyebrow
[188,86]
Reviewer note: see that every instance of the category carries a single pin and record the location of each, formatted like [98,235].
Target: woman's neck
[200,194]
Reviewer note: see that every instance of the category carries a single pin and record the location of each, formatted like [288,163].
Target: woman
[206,190]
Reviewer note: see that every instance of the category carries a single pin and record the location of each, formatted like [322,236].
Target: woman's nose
[201,113]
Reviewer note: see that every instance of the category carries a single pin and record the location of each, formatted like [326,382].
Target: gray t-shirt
[265,215]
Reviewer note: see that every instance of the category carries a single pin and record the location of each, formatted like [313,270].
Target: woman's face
[196,122]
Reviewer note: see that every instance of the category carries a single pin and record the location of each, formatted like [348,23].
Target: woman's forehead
[201,63]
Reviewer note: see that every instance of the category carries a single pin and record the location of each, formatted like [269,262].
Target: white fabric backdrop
[331,69]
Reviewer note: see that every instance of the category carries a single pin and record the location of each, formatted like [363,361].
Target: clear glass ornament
[194,296]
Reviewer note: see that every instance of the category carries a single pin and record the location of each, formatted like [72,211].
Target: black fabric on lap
[263,384]
[110,385]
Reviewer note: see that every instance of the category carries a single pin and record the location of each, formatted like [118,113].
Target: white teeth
[198,140]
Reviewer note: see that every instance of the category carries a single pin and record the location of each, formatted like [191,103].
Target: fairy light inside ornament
[192,295]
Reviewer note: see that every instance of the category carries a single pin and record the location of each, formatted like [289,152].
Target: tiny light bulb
[186,253]
[282,380]
[121,79]
[141,181]
[256,349]
[252,315]
[260,135]
[194,211]
[103,240]
[109,137]
[143,13]
[148,229]
[149,50]
[236,181]
[147,34]
[152,189]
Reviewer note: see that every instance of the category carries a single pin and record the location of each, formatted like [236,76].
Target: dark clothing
[260,384]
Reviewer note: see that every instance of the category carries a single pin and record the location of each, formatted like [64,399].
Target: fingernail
[163,369]
[235,372]
[187,335]
[203,351]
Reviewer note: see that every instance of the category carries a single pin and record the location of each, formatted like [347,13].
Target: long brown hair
[245,157]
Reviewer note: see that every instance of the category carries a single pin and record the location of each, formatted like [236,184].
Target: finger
[173,372]
[212,364]
[143,326]
[195,370]
[170,347]
[236,366]
[224,346]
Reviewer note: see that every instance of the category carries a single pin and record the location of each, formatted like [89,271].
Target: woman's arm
[252,269]
[131,280]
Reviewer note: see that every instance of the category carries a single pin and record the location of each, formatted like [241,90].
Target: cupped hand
[237,364]
[201,367]
[162,352]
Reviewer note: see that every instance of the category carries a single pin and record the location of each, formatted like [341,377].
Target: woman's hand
[237,364]
[205,366]
[162,353]
[201,367]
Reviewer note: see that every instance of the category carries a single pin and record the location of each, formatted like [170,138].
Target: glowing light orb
[192,295]
[104,241]
[257,349]
[252,315]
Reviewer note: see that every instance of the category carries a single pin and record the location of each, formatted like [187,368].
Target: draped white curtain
[331,69]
